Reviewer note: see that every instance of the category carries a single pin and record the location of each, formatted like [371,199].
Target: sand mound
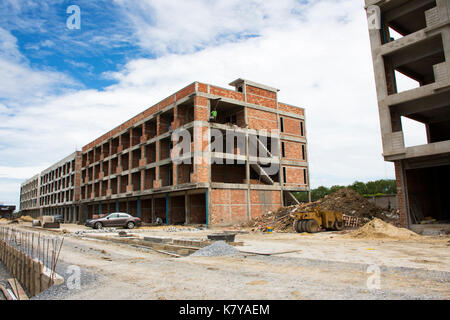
[378,229]
[26,218]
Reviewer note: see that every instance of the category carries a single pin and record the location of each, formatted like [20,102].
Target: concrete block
[158,239]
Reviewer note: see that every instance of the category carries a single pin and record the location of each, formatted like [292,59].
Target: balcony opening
[405,83]
[165,122]
[114,165]
[185,112]
[405,19]
[166,175]
[105,149]
[105,168]
[97,171]
[148,178]
[97,153]
[136,158]
[125,140]
[150,153]
[136,134]
[413,66]
[150,129]
[184,173]
[228,173]
[227,113]
[123,183]
[414,132]
[114,145]
[165,145]
[125,158]
[104,188]
[136,181]
[114,186]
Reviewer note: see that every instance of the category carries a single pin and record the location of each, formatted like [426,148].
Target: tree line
[371,188]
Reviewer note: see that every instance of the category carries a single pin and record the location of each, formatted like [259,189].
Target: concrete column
[187,208]
[138,207]
[167,209]
[153,210]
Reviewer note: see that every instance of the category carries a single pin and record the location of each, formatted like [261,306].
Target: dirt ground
[324,266]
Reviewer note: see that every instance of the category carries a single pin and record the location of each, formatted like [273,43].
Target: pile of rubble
[345,200]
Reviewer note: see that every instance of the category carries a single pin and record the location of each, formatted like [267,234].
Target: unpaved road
[327,267]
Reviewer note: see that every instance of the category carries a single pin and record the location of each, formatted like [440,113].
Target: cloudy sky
[61,88]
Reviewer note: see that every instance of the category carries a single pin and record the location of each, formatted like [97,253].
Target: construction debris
[345,200]
[378,229]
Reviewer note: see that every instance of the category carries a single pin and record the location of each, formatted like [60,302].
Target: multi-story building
[59,190]
[133,168]
[204,155]
[29,196]
[413,38]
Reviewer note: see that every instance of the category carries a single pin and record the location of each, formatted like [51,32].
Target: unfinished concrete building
[135,167]
[29,196]
[59,190]
[419,50]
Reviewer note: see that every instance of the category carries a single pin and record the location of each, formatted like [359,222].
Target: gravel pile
[218,248]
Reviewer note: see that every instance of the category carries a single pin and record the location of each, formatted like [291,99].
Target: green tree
[359,187]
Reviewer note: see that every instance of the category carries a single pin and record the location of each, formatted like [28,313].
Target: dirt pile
[378,229]
[26,219]
[345,200]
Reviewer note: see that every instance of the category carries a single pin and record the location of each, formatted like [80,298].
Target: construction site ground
[325,265]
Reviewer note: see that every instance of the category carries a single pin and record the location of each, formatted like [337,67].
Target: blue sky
[61,88]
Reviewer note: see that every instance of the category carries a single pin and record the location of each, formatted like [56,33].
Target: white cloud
[317,54]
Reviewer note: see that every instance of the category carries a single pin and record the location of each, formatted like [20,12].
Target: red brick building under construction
[204,155]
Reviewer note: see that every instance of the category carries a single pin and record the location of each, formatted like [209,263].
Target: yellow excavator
[317,219]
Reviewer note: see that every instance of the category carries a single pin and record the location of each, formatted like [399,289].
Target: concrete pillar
[187,208]
[153,210]
[138,207]
[167,209]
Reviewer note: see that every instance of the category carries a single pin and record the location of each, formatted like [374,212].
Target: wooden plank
[6,293]
[17,289]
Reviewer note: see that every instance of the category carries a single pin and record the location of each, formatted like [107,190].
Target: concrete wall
[387,201]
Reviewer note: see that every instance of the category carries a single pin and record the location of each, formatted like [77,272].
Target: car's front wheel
[130,225]
[98,225]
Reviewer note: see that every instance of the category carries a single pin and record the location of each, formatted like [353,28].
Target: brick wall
[263,201]
[228,206]
[258,119]
[291,109]
[295,176]
[291,126]
[198,208]
[400,195]
[177,210]
[293,150]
